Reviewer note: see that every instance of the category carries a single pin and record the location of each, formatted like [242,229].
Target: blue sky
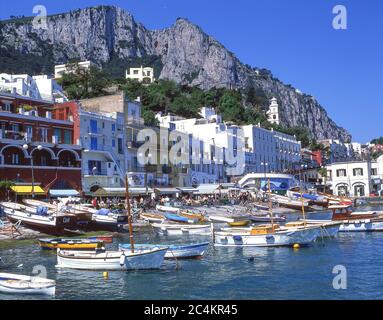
[294,39]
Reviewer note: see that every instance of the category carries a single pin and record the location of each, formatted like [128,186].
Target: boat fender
[237,238]
[122,259]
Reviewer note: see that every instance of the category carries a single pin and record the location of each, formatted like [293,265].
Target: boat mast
[303,202]
[270,206]
[129,213]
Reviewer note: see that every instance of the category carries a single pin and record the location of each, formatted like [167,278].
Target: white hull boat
[174,251]
[111,260]
[328,228]
[52,224]
[215,218]
[15,283]
[168,209]
[284,237]
[179,229]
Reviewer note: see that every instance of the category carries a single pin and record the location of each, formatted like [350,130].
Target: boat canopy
[63,193]
[103,212]
[120,192]
[208,189]
[26,190]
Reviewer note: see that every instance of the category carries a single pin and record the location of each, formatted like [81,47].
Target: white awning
[188,189]
[207,189]
[63,193]
[166,190]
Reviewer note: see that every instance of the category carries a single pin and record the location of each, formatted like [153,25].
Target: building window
[374,171]
[113,143]
[44,134]
[7,107]
[68,137]
[135,71]
[341,173]
[15,158]
[113,127]
[357,172]
[57,133]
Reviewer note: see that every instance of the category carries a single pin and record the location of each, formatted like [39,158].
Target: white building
[351,178]
[270,150]
[70,67]
[142,74]
[104,156]
[37,87]
[273,112]
[339,151]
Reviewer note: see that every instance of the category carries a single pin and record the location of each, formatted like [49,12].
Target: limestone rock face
[188,55]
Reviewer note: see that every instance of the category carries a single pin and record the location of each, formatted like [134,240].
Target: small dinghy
[187,251]
[240,223]
[152,217]
[111,260]
[15,283]
[178,218]
[70,244]
[178,229]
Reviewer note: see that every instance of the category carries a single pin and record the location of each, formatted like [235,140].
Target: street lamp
[264,164]
[39,147]
[303,166]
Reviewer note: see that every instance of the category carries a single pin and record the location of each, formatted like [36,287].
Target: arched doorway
[342,190]
[68,158]
[359,190]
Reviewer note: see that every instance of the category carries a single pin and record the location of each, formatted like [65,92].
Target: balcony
[166,169]
[134,144]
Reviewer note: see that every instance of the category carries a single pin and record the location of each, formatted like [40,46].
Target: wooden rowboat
[242,223]
[15,283]
[70,244]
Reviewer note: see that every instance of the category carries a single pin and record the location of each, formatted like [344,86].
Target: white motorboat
[168,209]
[111,260]
[105,219]
[356,221]
[41,220]
[180,229]
[15,283]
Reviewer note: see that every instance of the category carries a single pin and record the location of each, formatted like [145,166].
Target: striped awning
[64,193]
[27,190]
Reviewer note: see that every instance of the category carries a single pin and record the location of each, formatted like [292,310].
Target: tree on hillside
[377,140]
[230,106]
[81,83]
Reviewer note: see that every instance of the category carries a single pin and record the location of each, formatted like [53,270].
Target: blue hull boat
[174,251]
[177,218]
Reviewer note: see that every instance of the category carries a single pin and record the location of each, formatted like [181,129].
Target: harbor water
[223,272]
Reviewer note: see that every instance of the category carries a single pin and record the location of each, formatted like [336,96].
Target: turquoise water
[225,273]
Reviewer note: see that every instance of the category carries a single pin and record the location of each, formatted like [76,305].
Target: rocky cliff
[187,55]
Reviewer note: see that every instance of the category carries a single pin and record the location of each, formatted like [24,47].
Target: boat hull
[175,251]
[286,238]
[18,284]
[70,244]
[177,230]
[111,261]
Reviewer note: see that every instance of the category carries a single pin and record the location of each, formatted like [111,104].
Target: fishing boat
[40,220]
[261,206]
[266,236]
[105,219]
[178,229]
[183,251]
[111,260]
[178,218]
[15,283]
[291,203]
[70,244]
[152,217]
[168,209]
[105,239]
[215,218]
[193,216]
[355,221]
